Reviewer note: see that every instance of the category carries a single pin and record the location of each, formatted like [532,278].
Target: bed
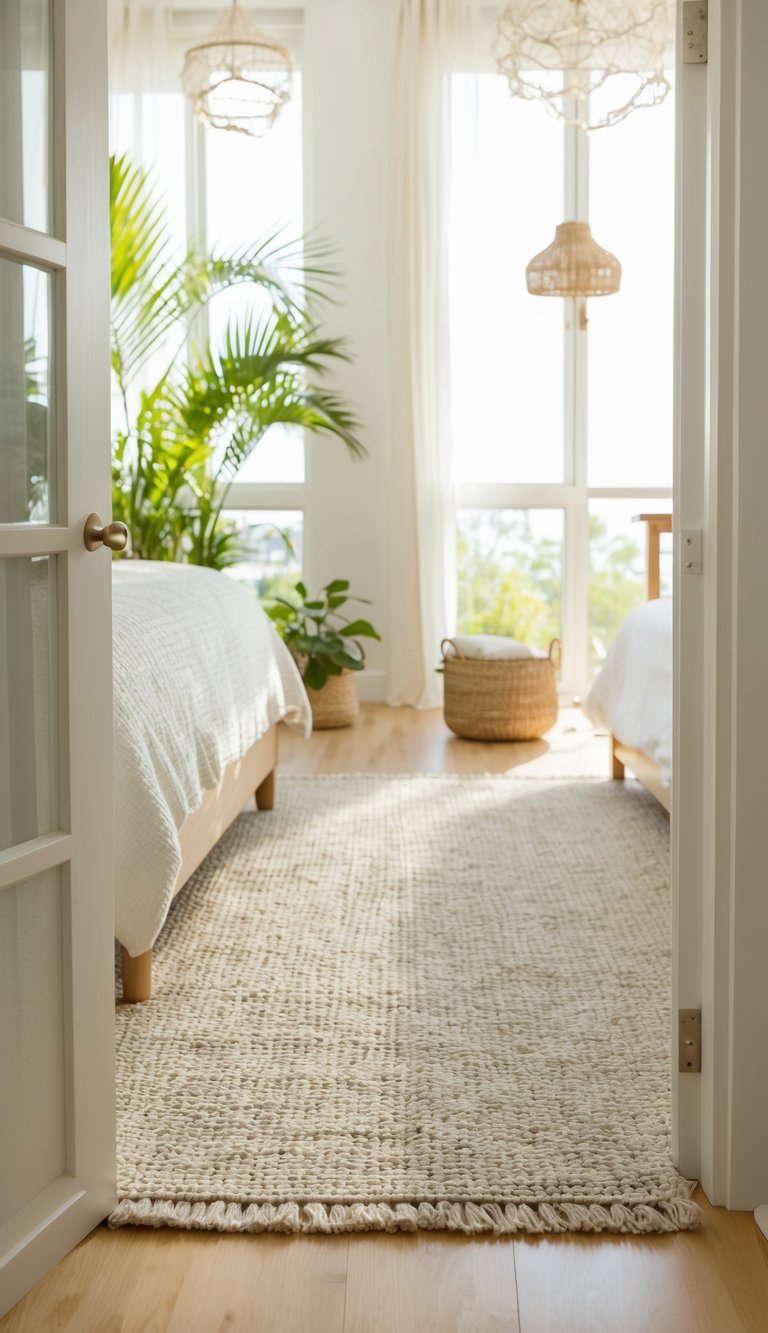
[201,680]
[632,696]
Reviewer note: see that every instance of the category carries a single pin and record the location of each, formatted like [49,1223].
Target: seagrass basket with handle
[500,700]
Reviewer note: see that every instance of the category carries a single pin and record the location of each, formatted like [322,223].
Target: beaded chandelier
[237,78]
[589,43]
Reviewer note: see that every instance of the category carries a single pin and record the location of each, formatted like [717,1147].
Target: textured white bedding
[632,696]
[200,675]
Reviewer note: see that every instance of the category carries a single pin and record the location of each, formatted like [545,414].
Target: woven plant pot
[335,705]
[514,700]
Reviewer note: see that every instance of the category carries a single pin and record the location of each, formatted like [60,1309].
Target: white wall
[347,82]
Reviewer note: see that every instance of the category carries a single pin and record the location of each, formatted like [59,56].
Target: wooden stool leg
[137,976]
[617,768]
[265,793]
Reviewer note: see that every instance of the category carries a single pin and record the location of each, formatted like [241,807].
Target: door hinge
[689,1027]
[694,32]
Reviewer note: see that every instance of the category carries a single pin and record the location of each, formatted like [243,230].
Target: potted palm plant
[327,647]
[191,408]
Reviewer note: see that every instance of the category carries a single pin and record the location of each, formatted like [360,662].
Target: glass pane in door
[26,400]
[32,1107]
[25,113]
[28,712]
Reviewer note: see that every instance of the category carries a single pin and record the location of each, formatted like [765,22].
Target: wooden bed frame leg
[617,768]
[137,976]
[265,793]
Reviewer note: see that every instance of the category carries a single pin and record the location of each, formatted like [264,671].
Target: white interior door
[57,1154]
[721,726]
[690,591]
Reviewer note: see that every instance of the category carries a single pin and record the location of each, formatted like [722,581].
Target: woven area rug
[412,1002]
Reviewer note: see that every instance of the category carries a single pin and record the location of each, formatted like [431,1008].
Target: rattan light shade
[573,265]
[237,78]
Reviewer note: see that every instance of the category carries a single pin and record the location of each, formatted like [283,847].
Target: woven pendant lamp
[237,78]
[573,265]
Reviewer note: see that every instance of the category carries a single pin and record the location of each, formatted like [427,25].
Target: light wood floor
[713,1281]
[406,740]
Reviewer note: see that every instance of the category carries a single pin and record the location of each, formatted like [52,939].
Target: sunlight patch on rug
[398,1003]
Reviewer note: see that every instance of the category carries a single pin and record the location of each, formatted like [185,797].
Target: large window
[629,394]
[252,190]
[511,572]
[561,412]
[271,544]
[230,191]
[507,366]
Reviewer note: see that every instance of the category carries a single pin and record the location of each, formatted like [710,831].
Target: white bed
[632,696]
[200,679]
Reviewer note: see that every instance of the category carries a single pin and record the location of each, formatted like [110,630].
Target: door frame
[720,828]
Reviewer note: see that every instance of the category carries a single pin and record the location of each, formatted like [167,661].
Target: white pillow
[490,647]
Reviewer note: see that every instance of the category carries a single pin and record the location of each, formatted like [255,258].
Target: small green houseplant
[327,647]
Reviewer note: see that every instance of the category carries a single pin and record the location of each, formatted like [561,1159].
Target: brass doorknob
[96,534]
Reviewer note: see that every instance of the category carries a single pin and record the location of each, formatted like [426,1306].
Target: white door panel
[57,1154]
[689,592]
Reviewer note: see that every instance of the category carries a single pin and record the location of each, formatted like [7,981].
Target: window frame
[243,495]
[573,494]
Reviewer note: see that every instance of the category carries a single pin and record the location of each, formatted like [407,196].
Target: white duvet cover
[632,696]
[200,675]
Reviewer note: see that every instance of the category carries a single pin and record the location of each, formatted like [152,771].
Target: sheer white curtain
[145,52]
[432,38]
[147,108]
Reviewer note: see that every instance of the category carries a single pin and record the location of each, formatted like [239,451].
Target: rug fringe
[320,779]
[667,1215]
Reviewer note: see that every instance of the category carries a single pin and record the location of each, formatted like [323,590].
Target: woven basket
[335,705]
[513,700]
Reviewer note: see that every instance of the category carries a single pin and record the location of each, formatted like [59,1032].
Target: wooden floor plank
[166,1264]
[163,1281]
[430,1284]
[262,1284]
[90,1291]
[411,740]
[711,1281]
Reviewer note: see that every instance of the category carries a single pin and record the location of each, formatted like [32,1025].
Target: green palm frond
[140,235]
[155,293]
[184,439]
[231,395]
